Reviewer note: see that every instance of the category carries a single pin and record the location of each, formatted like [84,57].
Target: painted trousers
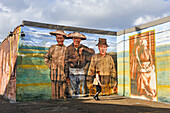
[58,90]
[77,78]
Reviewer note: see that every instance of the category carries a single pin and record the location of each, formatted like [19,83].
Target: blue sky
[111,15]
[41,37]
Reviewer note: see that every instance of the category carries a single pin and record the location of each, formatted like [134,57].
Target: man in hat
[54,59]
[105,64]
[77,60]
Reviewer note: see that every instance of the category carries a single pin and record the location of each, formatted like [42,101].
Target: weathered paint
[162,62]
[33,80]
[8,51]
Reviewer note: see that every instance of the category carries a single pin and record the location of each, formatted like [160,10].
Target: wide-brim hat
[102,41]
[76,35]
[58,32]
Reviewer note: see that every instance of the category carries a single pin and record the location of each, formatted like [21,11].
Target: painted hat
[76,35]
[102,41]
[58,32]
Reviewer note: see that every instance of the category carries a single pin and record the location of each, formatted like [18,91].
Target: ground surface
[107,104]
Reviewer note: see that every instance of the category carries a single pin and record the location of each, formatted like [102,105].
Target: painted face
[76,41]
[144,43]
[60,39]
[102,49]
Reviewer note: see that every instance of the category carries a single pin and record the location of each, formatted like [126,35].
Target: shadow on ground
[84,105]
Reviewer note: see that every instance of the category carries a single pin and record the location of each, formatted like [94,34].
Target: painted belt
[76,71]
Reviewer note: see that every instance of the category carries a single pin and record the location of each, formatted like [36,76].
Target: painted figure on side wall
[77,60]
[144,67]
[105,64]
[54,59]
[146,80]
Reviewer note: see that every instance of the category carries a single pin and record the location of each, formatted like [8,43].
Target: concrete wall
[28,78]
[157,36]
[33,76]
[8,54]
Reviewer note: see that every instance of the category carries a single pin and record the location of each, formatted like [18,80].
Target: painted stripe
[121,85]
[123,54]
[158,55]
[161,67]
[123,64]
[30,60]
[164,88]
[31,72]
[167,52]
[32,50]
[160,60]
[162,48]
[121,59]
[166,69]
[33,47]
[33,66]
[33,84]
[121,73]
[31,55]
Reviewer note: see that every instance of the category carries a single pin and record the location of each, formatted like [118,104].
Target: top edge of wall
[67,28]
[144,26]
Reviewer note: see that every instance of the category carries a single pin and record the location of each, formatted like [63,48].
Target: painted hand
[80,50]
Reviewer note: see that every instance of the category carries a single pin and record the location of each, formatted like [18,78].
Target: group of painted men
[69,66]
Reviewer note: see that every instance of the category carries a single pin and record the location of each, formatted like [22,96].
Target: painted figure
[77,60]
[133,60]
[97,84]
[54,59]
[105,64]
[146,78]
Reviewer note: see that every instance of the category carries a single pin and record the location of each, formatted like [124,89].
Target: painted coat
[107,70]
[75,60]
[54,59]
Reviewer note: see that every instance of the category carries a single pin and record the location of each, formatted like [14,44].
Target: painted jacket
[54,59]
[76,60]
[104,64]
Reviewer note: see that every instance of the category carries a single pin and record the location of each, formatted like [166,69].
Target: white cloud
[99,14]
[145,19]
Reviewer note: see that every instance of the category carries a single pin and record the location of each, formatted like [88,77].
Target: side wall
[8,56]
[129,79]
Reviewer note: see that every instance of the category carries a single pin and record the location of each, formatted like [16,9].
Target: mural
[8,53]
[63,64]
[142,65]
[38,67]
[147,46]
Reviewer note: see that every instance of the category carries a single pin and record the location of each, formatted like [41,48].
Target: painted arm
[112,68]
[48,58]
[98,80]
[137,56]
[92,67]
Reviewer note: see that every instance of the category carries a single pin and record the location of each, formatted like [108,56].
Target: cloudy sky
[112,15]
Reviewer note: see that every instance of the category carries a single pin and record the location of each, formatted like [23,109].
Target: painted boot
[95,96]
